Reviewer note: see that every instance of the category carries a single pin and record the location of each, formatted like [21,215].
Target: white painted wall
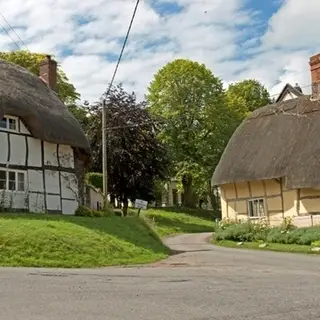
[66,157]
[289,96]
[34,152]
[4,147]
[50,154]
[23,128]
[18,149]
[59,193]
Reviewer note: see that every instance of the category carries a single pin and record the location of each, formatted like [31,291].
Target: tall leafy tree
[136,158]
[31,61]
[245,96]
[191,101]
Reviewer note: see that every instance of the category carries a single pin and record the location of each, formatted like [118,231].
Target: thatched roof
[279,140]
[24,95]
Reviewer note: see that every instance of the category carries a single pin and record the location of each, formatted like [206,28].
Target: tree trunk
[113,200]
[125,206]
[214,199]
[189,198]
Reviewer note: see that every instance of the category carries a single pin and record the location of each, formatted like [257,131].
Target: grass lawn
[167,222]
[67,241]
[294,248]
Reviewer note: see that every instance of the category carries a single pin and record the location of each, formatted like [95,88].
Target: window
[8,123]
[12,180]
[256,208]
[3,180]
[21,181]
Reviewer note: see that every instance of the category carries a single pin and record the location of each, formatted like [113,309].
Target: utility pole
[104,155]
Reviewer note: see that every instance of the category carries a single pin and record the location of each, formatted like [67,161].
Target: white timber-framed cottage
[44,150]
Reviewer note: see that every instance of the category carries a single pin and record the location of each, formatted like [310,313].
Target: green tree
[191,101]
[31,61]
[245,96]
[137,160]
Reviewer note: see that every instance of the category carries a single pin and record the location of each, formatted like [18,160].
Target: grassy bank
[278,247]
[167,222]
[67,241]
[32,240]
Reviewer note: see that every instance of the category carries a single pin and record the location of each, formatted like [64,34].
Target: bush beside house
[262,232]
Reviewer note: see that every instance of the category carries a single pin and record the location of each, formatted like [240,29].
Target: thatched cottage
[43,148]
[271,165]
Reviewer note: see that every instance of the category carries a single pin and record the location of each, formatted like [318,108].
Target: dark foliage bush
[95,179]
[84,211]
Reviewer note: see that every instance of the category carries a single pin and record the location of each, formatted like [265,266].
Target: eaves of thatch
[24,95]
[276,141]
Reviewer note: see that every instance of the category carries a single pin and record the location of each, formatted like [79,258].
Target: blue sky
[269,40]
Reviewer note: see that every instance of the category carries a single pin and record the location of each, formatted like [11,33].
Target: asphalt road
[204,283]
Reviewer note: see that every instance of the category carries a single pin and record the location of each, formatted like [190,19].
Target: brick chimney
[48,72]
[315,75]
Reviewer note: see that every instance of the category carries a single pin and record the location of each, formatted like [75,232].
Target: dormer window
[8,123]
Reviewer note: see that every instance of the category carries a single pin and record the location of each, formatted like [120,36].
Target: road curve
[203,282]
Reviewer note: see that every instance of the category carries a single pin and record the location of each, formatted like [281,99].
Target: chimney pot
[48,72]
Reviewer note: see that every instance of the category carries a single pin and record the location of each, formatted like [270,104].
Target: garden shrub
[95,179]
[311,235]
[244,232]
[83,211]
[260,231]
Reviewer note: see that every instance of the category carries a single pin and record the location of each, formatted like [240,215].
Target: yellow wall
[280,202]
[289,203]
[257,189]
[234,199]
[243,190]
[274,204]
[272,187]
[309,201]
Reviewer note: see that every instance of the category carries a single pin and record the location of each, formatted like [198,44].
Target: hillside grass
[167,223]
[30,240]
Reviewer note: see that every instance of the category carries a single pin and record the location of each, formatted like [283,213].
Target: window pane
[3,175]
[3,123]
[250,208]
[20,181]
[12,180]
[3,180]
[261,208]
[255,208]
[12,124]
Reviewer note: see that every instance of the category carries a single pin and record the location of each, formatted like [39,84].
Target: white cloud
[86,37]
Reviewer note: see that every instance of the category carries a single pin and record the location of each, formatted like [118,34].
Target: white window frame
[16,180]
[7,121]
[260,215]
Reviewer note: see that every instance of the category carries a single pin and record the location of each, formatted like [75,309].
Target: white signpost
[140,204]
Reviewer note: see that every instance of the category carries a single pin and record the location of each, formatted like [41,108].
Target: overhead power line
[123,46]
[14,31]
[7,32]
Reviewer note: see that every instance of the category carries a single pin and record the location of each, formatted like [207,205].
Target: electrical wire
[7,32]
[12,29]
[123,47]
